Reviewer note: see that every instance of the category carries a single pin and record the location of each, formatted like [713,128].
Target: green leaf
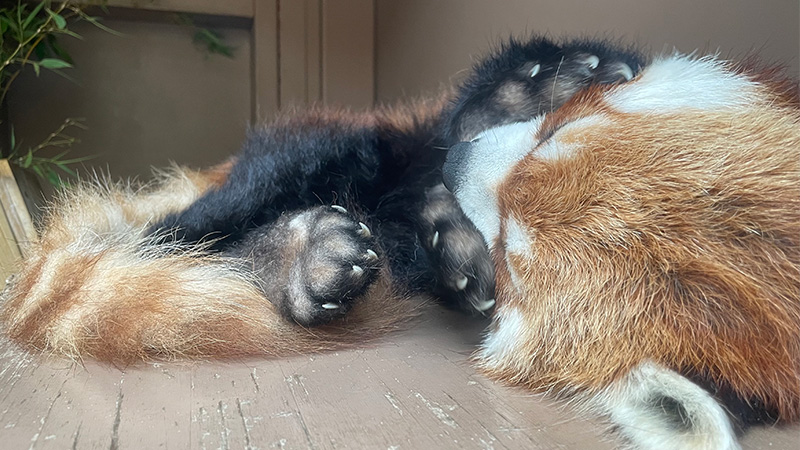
[32,15]
[41,51]
[27,161]
[11,24]
[96,22]
[35,67]
[54,63]
[52,176]
[70,33]
[60,21]
[66,169]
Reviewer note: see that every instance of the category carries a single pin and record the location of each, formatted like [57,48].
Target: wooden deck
[413,390]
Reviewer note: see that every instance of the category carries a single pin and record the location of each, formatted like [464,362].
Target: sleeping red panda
[326,218]
[676,192]
[646,237]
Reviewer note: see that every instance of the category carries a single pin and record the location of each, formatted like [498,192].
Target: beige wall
[424,43]
[148,97]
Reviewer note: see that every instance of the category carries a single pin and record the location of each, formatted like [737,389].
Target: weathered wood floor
[413,390]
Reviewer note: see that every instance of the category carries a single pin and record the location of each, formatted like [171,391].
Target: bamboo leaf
[70,34]
[54,63]
[57,50]
[11,24]
[52,176]
[66,169]
[77,160]
[27,161]
[38,171]
[59,20]
[32,15]
[96,22]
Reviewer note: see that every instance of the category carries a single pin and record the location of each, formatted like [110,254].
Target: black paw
[557,78]
[314,264]
[464,269]
[527,79]
[581,67]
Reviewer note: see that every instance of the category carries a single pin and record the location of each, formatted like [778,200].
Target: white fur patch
[518,239]
[519,242]
[681,82]
[504,338]
[630,403]
[492,155]
[555,149]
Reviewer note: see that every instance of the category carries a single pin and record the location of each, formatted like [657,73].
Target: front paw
[464,269]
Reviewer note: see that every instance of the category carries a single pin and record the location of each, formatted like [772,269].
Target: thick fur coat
[642,219]
[647,243]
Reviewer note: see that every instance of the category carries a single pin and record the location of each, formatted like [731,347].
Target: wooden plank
[232,8]
[348,52]
[244,406]
[293,53]
[57,404]
[415,389]
[300,57]
[10,253]
[168,422]
[14,207]
[265,65]
[314,50]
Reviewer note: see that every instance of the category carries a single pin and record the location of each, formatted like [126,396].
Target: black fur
[387,176]
[484,99]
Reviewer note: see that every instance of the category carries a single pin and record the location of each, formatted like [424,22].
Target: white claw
[484,305]
[358,270]
[535,70]
[461,283]
[592,61]
[371,255]
[330,306]
[364,231]
[339,208]
[435,240]
[625,71]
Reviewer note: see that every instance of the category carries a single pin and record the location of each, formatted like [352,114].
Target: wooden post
[16,226]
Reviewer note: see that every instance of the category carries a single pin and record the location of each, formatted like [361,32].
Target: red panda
[646,237]
[326,219]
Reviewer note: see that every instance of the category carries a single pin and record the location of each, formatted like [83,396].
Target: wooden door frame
[302,51]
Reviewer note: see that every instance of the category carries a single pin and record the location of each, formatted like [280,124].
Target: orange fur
[95,286]
[671,237]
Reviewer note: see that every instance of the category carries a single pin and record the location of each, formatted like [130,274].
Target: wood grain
[413,390]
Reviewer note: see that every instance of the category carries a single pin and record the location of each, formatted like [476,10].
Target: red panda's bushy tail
[95,285]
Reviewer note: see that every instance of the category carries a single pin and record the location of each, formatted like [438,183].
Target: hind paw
[336,264]
[465,273]
[314,264]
